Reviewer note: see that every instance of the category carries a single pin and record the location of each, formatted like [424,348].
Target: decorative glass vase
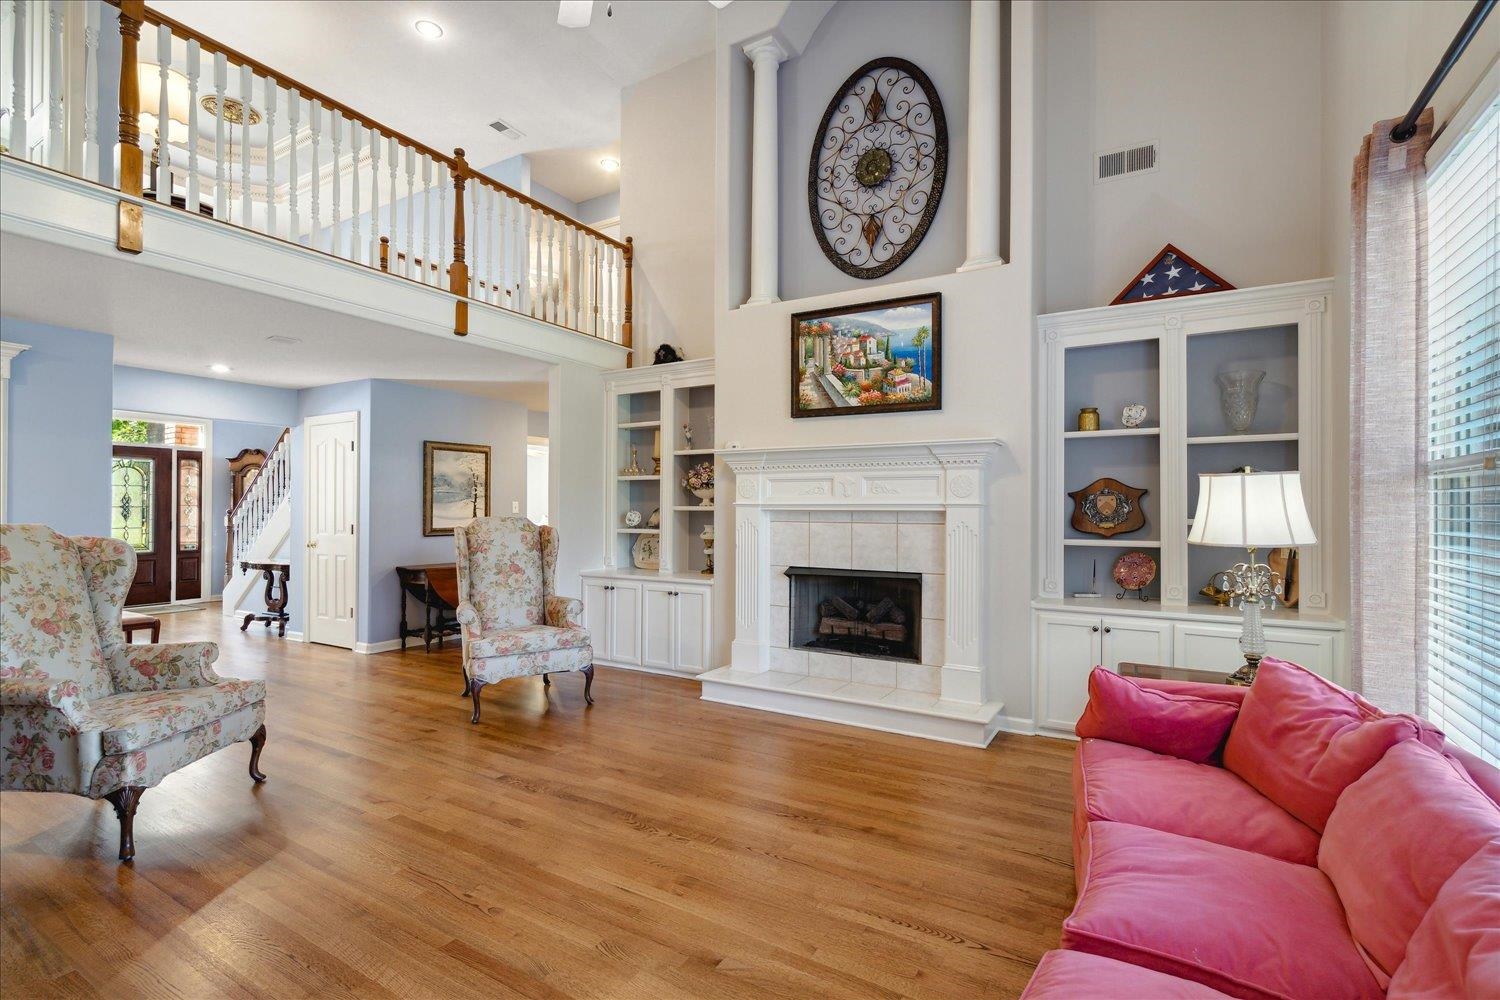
[1239,397]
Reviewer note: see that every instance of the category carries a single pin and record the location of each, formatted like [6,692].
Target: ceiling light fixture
[610,164]
[220,368]
[429,30]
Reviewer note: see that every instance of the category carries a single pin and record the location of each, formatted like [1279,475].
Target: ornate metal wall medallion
[877,168]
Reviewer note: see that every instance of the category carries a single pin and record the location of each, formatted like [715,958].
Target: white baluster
[356,238]
[411,212]
[56,146]
[553,282]
[272,95]
[163,116]
[504,253]
[335,238]
[315,125]
[247,94]
[534,262]
[490,197]
[617,307]
[18,77]
[392,154]
[194,184]
[294,129]
[471,231]
[445,243]
[91,91]
[375,145]
[425,271]
[519,250]
[221,197]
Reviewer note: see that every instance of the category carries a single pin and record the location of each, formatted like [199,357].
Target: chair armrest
[564,612]
[468,617]
[164,666]
[62,696]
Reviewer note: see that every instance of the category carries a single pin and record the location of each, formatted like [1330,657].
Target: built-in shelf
[1111,543]
[694,451]
[639,425]
[695,507]
[639,531]
[639,479]
[1117,432]
[1242,438]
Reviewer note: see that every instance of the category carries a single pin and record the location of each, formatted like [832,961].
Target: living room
[923,697]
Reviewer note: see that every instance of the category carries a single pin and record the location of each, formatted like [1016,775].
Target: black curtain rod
[1407,127]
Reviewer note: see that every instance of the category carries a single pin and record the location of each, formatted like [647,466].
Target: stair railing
[250,514]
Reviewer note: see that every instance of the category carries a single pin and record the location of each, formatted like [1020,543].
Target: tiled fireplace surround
[918,508]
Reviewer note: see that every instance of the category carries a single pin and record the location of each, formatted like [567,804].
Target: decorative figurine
[1133,415]
[687,436]
[708,549]
[654,521]
[1088,418]
[666,354]
[632,518]
[634,468]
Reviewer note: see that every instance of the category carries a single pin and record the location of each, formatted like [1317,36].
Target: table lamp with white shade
[1251,510]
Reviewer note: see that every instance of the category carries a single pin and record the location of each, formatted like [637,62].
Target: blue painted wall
[197,396]
[58,428]
[606,206]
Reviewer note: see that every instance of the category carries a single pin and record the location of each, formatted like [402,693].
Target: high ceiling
[496,60]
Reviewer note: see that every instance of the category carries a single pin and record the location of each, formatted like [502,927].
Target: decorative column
[985,64]
[765,54]
[966,569]
[8,352]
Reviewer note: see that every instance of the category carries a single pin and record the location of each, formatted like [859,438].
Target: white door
[625,623]
[1068,647]
[332,445]
[1136,640]
[691,630]
[657,627]
[596,618]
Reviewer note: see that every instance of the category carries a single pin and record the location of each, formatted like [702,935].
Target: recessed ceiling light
[610,164]
[429,30]
[219,368]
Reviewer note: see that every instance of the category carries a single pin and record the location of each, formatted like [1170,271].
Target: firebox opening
[858,612]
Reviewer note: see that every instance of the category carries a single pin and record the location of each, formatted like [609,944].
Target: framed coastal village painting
[876,357]
[455,485]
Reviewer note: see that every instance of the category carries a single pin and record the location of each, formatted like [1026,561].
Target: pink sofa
[1285,841]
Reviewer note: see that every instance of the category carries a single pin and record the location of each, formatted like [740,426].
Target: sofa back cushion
[1300,740]
[1394,838]
[1178,725]
[1455,951]
[48,631]
[500,571]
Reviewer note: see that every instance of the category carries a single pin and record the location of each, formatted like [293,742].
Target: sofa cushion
[1181,725]
[137,719]
[1077,975]
[1241,923]
[1395,837]
[1126,784]
[1455,951]
[1300,740]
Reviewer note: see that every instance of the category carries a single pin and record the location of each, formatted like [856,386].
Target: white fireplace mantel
[950,477]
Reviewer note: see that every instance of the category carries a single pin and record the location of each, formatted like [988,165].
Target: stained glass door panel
[189,525]
[141,515]
[131,483]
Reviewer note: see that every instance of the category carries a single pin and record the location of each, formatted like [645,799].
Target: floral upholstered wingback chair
[81,710]
[513,623]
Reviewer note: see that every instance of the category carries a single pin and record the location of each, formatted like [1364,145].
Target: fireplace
[856,612]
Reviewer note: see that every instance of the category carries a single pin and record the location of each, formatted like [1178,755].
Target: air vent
[277,338]
[1121,162]
[506,129]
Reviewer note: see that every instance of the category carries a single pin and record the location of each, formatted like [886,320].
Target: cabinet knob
[1106,630]
[1095,628]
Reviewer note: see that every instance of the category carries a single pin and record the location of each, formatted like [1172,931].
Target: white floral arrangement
[700,477]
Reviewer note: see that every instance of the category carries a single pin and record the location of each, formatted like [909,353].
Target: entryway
[332,449]
[157,493]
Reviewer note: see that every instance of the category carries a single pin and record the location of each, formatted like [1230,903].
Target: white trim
[371,648]
[1468,111]
[359,527]
[8,353]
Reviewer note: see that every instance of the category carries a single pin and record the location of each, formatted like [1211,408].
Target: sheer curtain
[1388,419]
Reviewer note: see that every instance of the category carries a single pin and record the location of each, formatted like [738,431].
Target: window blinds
[1463,201]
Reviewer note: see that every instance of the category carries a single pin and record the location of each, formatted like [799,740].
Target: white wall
[667,203]
[1232,92]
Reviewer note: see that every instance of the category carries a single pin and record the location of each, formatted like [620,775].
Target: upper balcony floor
[129,134]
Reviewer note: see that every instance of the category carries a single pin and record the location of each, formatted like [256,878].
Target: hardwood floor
[651,846]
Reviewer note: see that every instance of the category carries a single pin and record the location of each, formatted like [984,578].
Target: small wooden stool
[133,621]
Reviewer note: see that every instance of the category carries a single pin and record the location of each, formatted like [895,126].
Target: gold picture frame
[455,485]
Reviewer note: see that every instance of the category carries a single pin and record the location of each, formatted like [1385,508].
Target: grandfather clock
[243,469]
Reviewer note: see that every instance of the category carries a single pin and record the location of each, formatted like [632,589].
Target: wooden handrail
[572,223]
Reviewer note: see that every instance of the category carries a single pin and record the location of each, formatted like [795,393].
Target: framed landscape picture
[455,485]
[877,357]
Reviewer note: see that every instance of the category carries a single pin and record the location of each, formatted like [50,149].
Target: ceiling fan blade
[575,13]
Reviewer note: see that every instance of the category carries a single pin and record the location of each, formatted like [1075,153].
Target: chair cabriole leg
[124,800]
[474,688]
[588,684]
[257,742]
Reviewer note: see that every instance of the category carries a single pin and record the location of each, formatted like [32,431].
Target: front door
[332,515]
[189,525]
[141,514]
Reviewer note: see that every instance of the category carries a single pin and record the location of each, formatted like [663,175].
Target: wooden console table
[436,586]
[276,574]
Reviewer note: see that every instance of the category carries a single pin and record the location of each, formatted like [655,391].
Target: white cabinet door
[1068,647]
[659,601]
[625,623]
[596,601]
[1136,640]
[692,628]
[1217,647]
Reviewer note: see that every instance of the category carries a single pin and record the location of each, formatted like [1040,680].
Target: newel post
[627,328]
[458,271]
[129,238]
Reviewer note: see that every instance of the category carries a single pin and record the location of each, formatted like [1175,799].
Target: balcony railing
[207,129]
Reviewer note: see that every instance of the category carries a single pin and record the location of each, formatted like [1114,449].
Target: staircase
[259,528]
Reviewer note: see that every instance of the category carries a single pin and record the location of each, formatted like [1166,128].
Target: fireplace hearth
[856,612]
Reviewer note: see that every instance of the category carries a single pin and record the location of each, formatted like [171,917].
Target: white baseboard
[370,648]
[293,635]
[659,671]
